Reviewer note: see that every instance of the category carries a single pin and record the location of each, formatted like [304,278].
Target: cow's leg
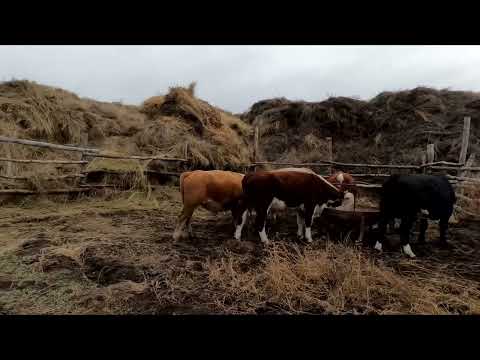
[239,225]
[423,229]
[309,209]
[300,224]
[182,222]
[443,231]
[189,226]
[405,227]
[382,226]
[260,221]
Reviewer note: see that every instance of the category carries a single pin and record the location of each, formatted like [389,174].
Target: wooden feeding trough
[361,218]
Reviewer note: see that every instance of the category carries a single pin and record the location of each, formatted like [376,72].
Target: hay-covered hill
[393,127]
[163,125]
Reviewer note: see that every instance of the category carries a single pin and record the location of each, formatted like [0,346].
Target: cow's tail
[182,179]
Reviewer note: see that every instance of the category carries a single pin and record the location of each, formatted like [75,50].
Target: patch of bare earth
[116,256]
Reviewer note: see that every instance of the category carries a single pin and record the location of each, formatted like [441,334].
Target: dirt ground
[115,255]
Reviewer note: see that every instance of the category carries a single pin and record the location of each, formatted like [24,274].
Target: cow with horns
[406,196]
[303,190]
[215,191]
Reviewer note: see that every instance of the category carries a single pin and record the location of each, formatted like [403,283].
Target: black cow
[405,196]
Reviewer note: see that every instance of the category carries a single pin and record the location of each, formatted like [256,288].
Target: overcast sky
[234,77]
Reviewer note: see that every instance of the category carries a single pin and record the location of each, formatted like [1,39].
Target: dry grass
[336,280]
[470,201]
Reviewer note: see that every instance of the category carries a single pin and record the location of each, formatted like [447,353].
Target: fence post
[424,161]
[255,147]
[330,153]
[465,138]
[430,153]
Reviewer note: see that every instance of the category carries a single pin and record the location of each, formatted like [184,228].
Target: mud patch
[100,264]
[56,261]
[6,283]
[33,246]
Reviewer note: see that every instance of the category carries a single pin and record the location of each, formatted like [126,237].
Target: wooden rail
[5,139]
[34,161]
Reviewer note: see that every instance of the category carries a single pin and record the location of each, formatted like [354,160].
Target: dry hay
[180,102]
[126,174]
[468,201]
[151,106]
[212,138]
[334,280]
[32,111]
[375,130]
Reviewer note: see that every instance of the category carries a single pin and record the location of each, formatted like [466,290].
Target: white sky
[234,77]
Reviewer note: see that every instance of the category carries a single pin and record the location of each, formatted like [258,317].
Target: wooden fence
[462,168]
[87,155]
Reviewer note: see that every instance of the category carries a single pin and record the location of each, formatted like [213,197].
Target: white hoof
[237,235]
[308,235]
[378,246]
[408,250]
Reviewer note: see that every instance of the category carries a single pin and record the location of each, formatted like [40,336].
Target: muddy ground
[116,256]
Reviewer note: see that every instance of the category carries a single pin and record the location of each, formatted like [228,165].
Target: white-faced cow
[405,196]
[339,178]
[215,191]
[294,188]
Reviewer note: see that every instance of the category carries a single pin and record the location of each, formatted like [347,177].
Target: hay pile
[393,127]
[182,122]
[163,125]
[32,111]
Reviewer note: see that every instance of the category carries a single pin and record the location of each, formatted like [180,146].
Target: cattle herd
[261,193]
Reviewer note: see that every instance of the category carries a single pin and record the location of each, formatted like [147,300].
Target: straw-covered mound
[164,125]
[32,111]
[393,127]
[183,124]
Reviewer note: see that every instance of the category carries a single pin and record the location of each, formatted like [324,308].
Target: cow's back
[403,193]
[219,186]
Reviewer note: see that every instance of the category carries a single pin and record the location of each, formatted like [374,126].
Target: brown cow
[278,206]
[294,188]
[215,191]
[339,177]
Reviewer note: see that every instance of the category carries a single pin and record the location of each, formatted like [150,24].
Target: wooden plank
[329,163]
[465,140]
[60,177]
[469,168]
[134,157]
[47,192]
[427,164]
[369,175]
[463,178]
[31,161]
[5,139]
[146,172]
